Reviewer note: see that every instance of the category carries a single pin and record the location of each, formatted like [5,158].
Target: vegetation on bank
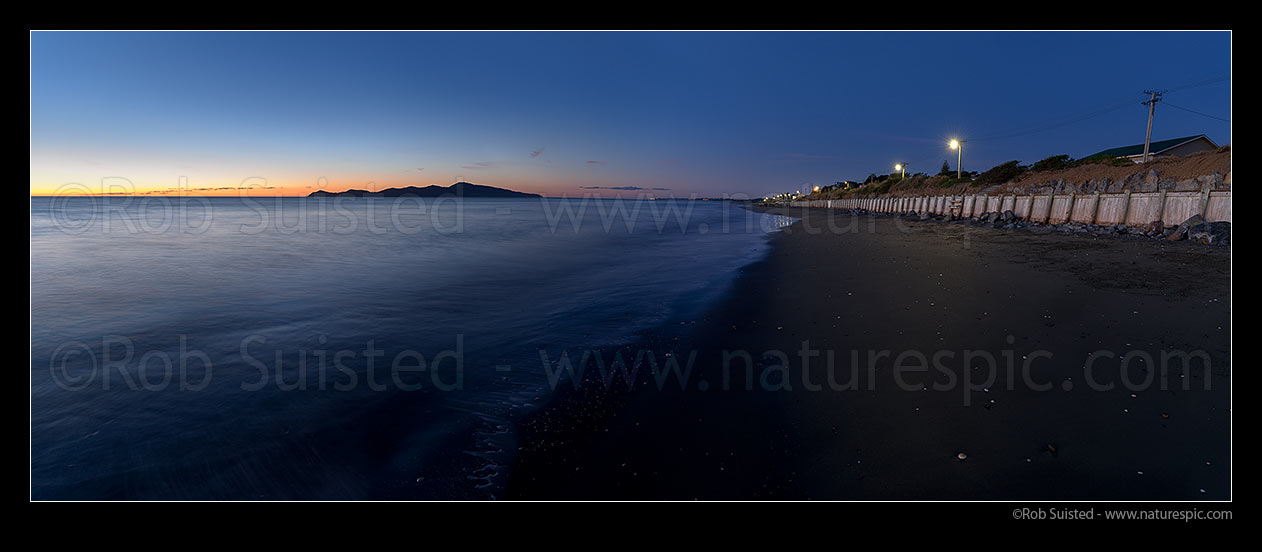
[947,182]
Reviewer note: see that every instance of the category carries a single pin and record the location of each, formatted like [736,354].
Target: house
[1177,147]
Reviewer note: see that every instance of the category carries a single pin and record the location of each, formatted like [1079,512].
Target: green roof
[1153,148]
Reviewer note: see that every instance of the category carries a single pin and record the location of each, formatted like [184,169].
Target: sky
[682,114]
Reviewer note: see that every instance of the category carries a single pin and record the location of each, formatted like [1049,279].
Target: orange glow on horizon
[261,189]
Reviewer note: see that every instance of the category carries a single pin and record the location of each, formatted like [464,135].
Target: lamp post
[958,145]
[901,167]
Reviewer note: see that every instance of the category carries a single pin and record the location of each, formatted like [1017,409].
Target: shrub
[883,186]
[1001,173]
[1053,163]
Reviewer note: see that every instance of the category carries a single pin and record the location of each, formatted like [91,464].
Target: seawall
[1126,208]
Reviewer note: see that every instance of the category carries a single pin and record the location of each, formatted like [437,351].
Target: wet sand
[886,297]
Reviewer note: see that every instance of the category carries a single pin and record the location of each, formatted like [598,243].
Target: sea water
[337,348]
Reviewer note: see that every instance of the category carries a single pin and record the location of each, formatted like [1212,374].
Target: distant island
[459,189]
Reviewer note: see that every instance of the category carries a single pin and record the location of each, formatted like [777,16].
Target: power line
[1202,82]
[1198,113]
[1058,124]
[1104,110]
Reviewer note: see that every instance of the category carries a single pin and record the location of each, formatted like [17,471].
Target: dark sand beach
[881,295]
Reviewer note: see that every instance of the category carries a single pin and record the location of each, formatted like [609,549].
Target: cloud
[622,188]
[595,162]
[186,190]
[477,166]
[538,151]
[420,168]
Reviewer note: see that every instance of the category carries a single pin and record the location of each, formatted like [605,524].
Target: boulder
[1154,228]
[1181,232]
[1211,181]
[1136,182]
[1210,233]
[1150,181]
[1189,185]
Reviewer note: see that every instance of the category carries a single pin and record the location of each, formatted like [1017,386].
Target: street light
[958,145]
[901,167]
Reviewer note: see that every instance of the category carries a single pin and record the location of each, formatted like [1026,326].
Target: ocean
[337,348]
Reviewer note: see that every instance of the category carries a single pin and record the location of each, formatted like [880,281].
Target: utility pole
[959,160]
[1151,102]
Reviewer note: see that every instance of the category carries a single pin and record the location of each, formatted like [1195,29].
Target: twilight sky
[708,113]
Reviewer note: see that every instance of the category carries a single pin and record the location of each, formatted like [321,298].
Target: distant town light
[816,189]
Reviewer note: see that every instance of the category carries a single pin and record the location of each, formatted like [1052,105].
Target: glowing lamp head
[816,188]
[898,167]
[955,144]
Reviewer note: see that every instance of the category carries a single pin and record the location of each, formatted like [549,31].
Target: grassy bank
[1059,173]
